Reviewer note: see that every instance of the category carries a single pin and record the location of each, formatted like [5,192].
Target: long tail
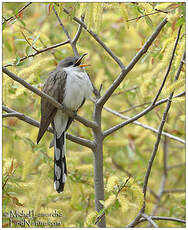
[60,168]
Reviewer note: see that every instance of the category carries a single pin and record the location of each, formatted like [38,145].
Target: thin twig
[116,59]
[163,179]
[162,218]
[28,41]
[61,24]
[145,15]
[40,51]
[159,135]
[126,70]
[127,90]
[84,121]
[35,123]
[175,190]
[175,166]
[23,8]
[169,66]
[75,39]
[134,107]
[133,120]
[148,171]
[149,219]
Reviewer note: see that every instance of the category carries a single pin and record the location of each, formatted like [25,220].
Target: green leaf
[180,21]
[22,22]
[17,61]
[4,25]
[101,201]
[28,50]
[34,41]
[148,21]
[101,212]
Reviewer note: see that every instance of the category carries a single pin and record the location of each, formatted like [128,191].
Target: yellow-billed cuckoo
[70,85]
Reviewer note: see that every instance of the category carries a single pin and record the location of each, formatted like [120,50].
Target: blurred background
[28,167]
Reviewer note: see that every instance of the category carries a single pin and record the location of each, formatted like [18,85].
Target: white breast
[78,87]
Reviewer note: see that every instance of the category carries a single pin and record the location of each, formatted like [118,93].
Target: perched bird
[70,85]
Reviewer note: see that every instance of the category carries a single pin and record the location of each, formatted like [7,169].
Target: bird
[70,85]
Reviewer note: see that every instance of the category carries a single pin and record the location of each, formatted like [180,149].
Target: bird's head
[73,61]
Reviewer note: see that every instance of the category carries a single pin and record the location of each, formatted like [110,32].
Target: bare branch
[41,51]
[23,8]
[29,42]
[137,218]
[169,66]
[10,115]
[175,190]
[116,59]
[84,121]
[149,219]
[175,166]
[35,123]
[162,218]
[134,107]
[159,135]
[126,70]
[75,39]
[143,125]
[61,24]
[131,120]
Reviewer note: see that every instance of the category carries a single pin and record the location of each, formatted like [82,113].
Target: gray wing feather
[54,87]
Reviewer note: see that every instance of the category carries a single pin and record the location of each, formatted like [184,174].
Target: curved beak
[78,63]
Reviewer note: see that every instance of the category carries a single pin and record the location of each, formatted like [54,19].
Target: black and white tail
[60,168]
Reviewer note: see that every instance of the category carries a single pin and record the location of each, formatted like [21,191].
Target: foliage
[28,167]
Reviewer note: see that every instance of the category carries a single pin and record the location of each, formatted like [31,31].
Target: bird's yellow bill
[84,65]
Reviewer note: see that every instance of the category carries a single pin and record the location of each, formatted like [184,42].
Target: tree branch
[61,24]
[142,125]
[175,190]
[116,59]
[23,8]
[162,218]
[126,70]
[148,171]
[84,121]
[169,66]
[159,135]
[41,51]
[131,120]
[35,123]
[75,39]
[149,219]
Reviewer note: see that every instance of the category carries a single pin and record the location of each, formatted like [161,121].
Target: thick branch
[41,51]
[125,71]
[35,123]
[84,121]
[143,125]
